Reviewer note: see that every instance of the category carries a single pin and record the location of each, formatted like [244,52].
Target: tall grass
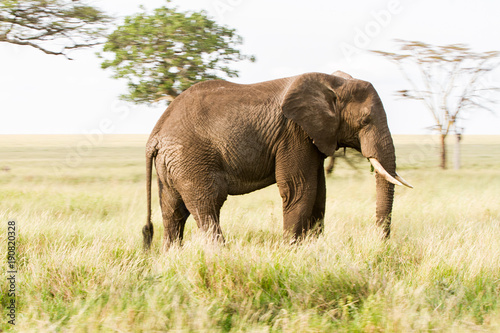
[82,268]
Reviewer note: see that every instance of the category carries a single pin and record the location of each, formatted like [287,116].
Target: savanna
[81,266]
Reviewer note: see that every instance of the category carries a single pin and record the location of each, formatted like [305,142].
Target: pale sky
[44,94]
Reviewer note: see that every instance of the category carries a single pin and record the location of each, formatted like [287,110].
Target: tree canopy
[163,53]
[52,26]
[448,79]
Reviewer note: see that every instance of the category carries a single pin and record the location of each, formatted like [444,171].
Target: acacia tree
[52,26]
[163,53]
[448,79]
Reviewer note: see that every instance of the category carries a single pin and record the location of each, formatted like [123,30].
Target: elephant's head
[339,111]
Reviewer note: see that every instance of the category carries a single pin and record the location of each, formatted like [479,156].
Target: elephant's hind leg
[174,213]
[204,199]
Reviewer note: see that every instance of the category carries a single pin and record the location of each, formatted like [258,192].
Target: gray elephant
[220,138]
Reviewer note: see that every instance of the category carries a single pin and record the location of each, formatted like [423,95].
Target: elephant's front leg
[318,213]
[302,189]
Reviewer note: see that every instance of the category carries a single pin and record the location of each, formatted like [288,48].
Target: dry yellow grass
[81,265]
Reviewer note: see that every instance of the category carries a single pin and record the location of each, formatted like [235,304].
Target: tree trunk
[456,164]
[443,151]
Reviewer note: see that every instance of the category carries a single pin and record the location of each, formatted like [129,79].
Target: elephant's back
[230,127]
[212,108]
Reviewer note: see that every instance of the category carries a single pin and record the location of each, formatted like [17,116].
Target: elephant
[352,161]
[219,138]
[330,166]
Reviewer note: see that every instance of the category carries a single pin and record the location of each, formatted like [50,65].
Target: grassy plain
[79,204]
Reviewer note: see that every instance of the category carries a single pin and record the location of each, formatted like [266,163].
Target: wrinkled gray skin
[220,138]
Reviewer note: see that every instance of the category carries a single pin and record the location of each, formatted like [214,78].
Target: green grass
[82,268]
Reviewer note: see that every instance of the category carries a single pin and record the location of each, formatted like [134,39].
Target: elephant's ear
[343,75]
[310,102]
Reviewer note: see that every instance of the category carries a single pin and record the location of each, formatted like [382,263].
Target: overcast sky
[47,94]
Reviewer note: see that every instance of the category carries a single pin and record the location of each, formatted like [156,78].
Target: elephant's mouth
[396,180]
[354,144]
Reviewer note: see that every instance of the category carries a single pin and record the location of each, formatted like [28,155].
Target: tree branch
[26,43]
[36,22]
[460,70]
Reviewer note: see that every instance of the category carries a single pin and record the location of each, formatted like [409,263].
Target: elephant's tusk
[381,171]
[401,179]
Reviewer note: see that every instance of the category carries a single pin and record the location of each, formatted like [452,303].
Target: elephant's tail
[147,230]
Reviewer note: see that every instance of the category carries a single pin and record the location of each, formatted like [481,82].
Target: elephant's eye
[365,120]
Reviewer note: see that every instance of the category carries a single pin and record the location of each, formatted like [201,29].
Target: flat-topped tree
[448,79]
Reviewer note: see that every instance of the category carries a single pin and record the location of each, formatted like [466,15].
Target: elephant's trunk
[380,150]
[385,186]
[385,198]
